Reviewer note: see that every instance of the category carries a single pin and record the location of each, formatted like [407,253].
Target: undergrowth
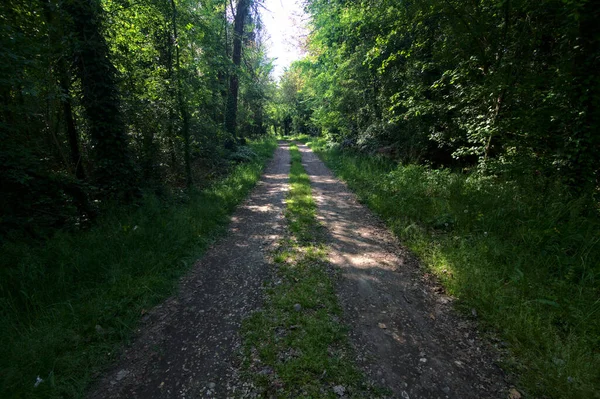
[68,304]
[523,254]
[296,347]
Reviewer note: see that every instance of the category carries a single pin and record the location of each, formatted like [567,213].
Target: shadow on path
[407,337]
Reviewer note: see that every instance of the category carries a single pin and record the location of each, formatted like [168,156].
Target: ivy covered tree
[241,14]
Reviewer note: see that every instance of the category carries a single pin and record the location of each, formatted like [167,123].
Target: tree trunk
[114,172]
[241,13]
[585,142]
[182,104]
[72,134]
[56,38]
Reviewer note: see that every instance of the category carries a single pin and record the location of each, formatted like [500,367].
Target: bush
[243,154]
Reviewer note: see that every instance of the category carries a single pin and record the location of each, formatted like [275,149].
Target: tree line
[506,87]
[102,99]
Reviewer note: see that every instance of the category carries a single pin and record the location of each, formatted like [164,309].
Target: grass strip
[523,254]
[67,306]
[297,347]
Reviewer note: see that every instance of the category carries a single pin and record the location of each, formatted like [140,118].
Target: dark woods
[471,127]
[103,100]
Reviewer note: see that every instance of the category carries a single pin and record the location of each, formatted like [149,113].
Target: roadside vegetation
[127,136]
[69,303]
[521,256]
[297,346]
[472,129]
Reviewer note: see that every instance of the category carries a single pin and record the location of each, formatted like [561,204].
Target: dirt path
[406,335]
[186,345]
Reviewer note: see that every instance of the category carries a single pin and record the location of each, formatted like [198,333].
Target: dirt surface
[406,336]
[186,346]
[405,333]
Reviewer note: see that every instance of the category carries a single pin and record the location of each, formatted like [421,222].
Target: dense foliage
[103,99]
[114,168]
[471,127]
[509,86]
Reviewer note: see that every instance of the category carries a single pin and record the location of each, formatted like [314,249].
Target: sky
[284,25]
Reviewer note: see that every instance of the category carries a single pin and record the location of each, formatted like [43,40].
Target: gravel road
[405,333]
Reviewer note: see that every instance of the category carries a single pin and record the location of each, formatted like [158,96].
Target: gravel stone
[339,390]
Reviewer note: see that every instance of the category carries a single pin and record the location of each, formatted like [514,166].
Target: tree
[93,92]
[181,101]
[114,171]
[241,13]
[506,87]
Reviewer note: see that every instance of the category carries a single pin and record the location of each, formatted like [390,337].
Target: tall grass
[68,304]
[524,255]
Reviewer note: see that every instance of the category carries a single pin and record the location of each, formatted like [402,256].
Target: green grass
[304,353]
[524,255]
[300,207]
[68,305]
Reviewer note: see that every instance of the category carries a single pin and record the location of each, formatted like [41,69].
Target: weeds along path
[405,333]
[185,347]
